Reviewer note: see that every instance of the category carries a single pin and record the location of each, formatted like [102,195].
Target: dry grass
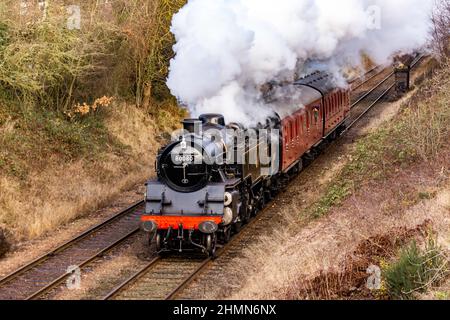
[424,126]
[418,133]
[304,264]
[64,191]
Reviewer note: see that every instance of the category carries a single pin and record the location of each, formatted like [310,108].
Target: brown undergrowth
[350,279]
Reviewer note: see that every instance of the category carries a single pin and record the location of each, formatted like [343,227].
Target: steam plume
[226,49]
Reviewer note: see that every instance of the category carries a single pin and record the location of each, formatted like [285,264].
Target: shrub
[122,49]
[415,270]
[161,53]
[45,63]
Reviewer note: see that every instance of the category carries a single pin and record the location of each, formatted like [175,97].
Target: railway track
[368,76]
[160,278]
[375,95]
[163,278]
[167,278]
[41,275]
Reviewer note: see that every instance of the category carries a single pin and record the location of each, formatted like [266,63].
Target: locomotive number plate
[184,158]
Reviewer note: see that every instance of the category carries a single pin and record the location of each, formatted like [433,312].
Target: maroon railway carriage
[322,113]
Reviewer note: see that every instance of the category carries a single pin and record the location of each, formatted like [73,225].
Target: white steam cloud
[226,49]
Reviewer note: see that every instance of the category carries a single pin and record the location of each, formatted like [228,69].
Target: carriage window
[303,125]
[292,130]
[286,137]
[295,127]
[308,119]
[316,114]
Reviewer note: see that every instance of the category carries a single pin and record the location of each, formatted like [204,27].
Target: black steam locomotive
[215,176]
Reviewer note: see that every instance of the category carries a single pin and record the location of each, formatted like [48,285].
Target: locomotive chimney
[193,126]
[212,118]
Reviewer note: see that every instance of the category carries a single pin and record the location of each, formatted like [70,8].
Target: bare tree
[441,28]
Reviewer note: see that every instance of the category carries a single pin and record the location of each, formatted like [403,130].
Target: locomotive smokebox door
[402,77]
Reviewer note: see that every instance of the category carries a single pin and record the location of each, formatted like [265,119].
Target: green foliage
[38,134]
[3,35]
[415,270]
[118,51]
[368,156]
[168,115]
[161,49]
[334,196]
[442,295]
[48,64]
[47,70]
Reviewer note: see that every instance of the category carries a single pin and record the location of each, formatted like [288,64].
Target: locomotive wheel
[158,242]
[237,227]
[333,136]
[210,244]
[262,202]
[226,235]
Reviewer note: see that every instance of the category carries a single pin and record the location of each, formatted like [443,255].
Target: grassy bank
[418,134]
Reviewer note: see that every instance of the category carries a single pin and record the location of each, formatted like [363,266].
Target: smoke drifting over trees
[227,49]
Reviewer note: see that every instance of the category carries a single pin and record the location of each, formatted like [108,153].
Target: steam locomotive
[216,176]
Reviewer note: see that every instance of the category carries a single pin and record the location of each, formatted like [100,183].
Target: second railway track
[44,273]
